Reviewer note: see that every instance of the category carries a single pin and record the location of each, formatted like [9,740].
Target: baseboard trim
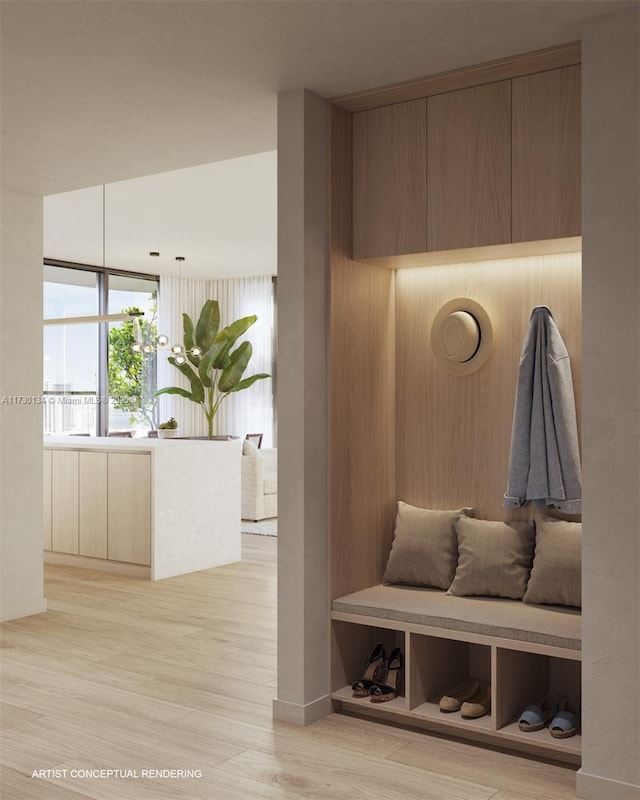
[297,714]
[99,564]
[593,787]
[23,610]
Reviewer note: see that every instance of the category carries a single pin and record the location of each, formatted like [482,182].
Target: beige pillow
[494,558]
[249,448]
[556,577]
[424,550]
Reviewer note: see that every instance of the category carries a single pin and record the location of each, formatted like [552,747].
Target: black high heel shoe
[374,672]
[383,692]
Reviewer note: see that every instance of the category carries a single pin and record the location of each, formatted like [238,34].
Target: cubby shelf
[397,705]
[542,739]
[430,711]
[520,674]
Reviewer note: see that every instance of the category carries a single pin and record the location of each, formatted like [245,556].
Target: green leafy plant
[132,376]
[215,370]
[170,425]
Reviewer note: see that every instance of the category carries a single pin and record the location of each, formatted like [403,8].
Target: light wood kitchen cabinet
[389,180]
[64,501]
[46,499]
[469,167]
[129,508]
[92,504]
[546,155]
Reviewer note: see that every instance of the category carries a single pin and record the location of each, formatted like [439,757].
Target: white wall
[302,409]
[21,587]
[611,415]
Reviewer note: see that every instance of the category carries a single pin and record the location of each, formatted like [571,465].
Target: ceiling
[97,92]
[107,92]
[221,217]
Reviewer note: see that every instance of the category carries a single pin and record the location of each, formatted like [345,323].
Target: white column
[611,402]
[21,587]
[302,409]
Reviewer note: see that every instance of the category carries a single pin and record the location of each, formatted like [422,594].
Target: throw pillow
[249,448]
[556,576]
[494,558]
[424,550]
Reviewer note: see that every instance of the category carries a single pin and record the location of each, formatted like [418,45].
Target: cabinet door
[129,508]
[64,501]
[389,180]
[92,510]
[546,155]
[469,167]
[46,499]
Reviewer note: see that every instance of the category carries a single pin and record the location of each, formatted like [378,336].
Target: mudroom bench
[524,650]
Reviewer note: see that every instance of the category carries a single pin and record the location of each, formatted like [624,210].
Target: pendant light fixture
[148,348]
[178,351]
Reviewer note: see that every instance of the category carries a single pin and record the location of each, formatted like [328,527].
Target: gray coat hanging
[544,465]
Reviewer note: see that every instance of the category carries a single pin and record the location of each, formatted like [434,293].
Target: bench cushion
[556,626]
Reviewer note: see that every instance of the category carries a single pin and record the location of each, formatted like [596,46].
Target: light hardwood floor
[126,674]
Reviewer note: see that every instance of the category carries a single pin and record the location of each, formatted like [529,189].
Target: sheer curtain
[250,411]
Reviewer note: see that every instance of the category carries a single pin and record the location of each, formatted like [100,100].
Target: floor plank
[123,673]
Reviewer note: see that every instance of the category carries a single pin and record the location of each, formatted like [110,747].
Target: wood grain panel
[129,508]
[522,678]
[389,180]
[452,80]
[361,394]
[440,664]
[64,501]
[46,499]
[350,646]
[454,432]
[469,167]
[546,155]
[93,505]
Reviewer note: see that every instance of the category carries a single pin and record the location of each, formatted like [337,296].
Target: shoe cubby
[523,679]
[438,664]
[351,644]
[520,674]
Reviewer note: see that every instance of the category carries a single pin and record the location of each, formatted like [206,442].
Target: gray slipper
[537,716]
[566,723]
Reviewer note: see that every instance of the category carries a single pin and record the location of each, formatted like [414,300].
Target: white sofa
[259,483]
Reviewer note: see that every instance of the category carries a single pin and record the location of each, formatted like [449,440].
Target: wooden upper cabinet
[389,180]
[546,155]
[469,167]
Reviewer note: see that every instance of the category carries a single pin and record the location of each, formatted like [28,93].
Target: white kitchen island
[149,507]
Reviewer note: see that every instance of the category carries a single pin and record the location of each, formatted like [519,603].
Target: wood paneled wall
[454,433]
[362,393]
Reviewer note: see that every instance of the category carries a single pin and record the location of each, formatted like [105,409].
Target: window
[132,377]
[93,382]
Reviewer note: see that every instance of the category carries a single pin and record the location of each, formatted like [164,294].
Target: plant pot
[168,433]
